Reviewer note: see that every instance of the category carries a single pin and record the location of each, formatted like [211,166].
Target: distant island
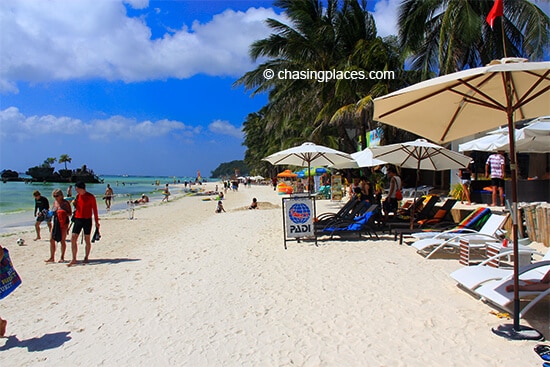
[46,173]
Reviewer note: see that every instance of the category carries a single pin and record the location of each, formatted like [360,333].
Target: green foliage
[64,158]
[457,191]
[319,36]
[226,170]
[48,162]
[449,35]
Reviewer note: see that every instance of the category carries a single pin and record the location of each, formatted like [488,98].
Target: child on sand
[220,208]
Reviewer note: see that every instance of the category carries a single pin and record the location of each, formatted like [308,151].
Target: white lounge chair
[495,292]
[486,233]
[472,277]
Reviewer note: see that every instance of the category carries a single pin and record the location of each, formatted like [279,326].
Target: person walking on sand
[109,193]
[166,193]
[41,208]
[61,213]
[85,205]
[495,163]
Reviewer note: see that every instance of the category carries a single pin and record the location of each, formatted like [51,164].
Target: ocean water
[17,201]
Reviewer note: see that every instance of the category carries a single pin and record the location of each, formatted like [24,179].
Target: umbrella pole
[514,331]
[413,210]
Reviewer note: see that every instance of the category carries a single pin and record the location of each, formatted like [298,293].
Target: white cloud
[14,125]
[62,40]
[225,128]
[385,14]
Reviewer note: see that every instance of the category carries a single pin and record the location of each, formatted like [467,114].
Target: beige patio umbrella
[460,104]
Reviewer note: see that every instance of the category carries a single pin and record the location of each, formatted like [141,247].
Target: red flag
[496,11]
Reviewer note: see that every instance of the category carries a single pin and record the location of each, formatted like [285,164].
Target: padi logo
[299,213]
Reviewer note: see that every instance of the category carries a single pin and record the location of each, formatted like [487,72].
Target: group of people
[363,189]
[62,214]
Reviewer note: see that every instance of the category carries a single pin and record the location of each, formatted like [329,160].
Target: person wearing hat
[495,163]
[85,207]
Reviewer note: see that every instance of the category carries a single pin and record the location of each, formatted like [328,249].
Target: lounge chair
[439,220]
[357,226]
[405,209]
[346,210]
[323,193]
[495,292]
[472,277]
[473,222]
[487,233]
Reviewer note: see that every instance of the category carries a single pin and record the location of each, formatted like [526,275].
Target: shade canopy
[287,174]
[309,154]
[421,154]
[488,143]
[461,104]
[533,138]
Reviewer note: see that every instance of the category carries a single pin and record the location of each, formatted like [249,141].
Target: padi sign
[299,217]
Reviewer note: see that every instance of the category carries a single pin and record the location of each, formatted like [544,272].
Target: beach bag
[399,195]
[9,279]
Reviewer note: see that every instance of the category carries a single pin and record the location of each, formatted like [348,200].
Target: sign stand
[298,214]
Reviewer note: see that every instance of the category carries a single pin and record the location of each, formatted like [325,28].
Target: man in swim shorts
[85,206]
[41,208]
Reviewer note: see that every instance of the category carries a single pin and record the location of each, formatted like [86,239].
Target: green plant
[456,191]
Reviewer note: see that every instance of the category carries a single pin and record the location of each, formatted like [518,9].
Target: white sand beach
[182,286]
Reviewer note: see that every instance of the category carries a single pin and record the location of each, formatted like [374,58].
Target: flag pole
[503,37]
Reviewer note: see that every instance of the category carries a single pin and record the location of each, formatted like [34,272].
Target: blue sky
[132,87]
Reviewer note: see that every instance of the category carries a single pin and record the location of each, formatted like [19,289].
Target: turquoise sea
[17,201]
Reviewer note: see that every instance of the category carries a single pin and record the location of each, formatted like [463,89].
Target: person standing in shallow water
[109,193]
[85,206]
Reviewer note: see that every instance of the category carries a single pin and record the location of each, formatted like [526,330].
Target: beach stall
[286,182]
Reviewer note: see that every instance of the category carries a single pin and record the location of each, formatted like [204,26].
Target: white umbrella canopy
[533,138]
[361,159]
[309,154]
[365,158]
[489,143]
[421,154]
[460,104]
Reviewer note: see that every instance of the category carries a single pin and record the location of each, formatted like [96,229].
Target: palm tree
[340,36]
[443,36]
[64,158]
[48,162]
